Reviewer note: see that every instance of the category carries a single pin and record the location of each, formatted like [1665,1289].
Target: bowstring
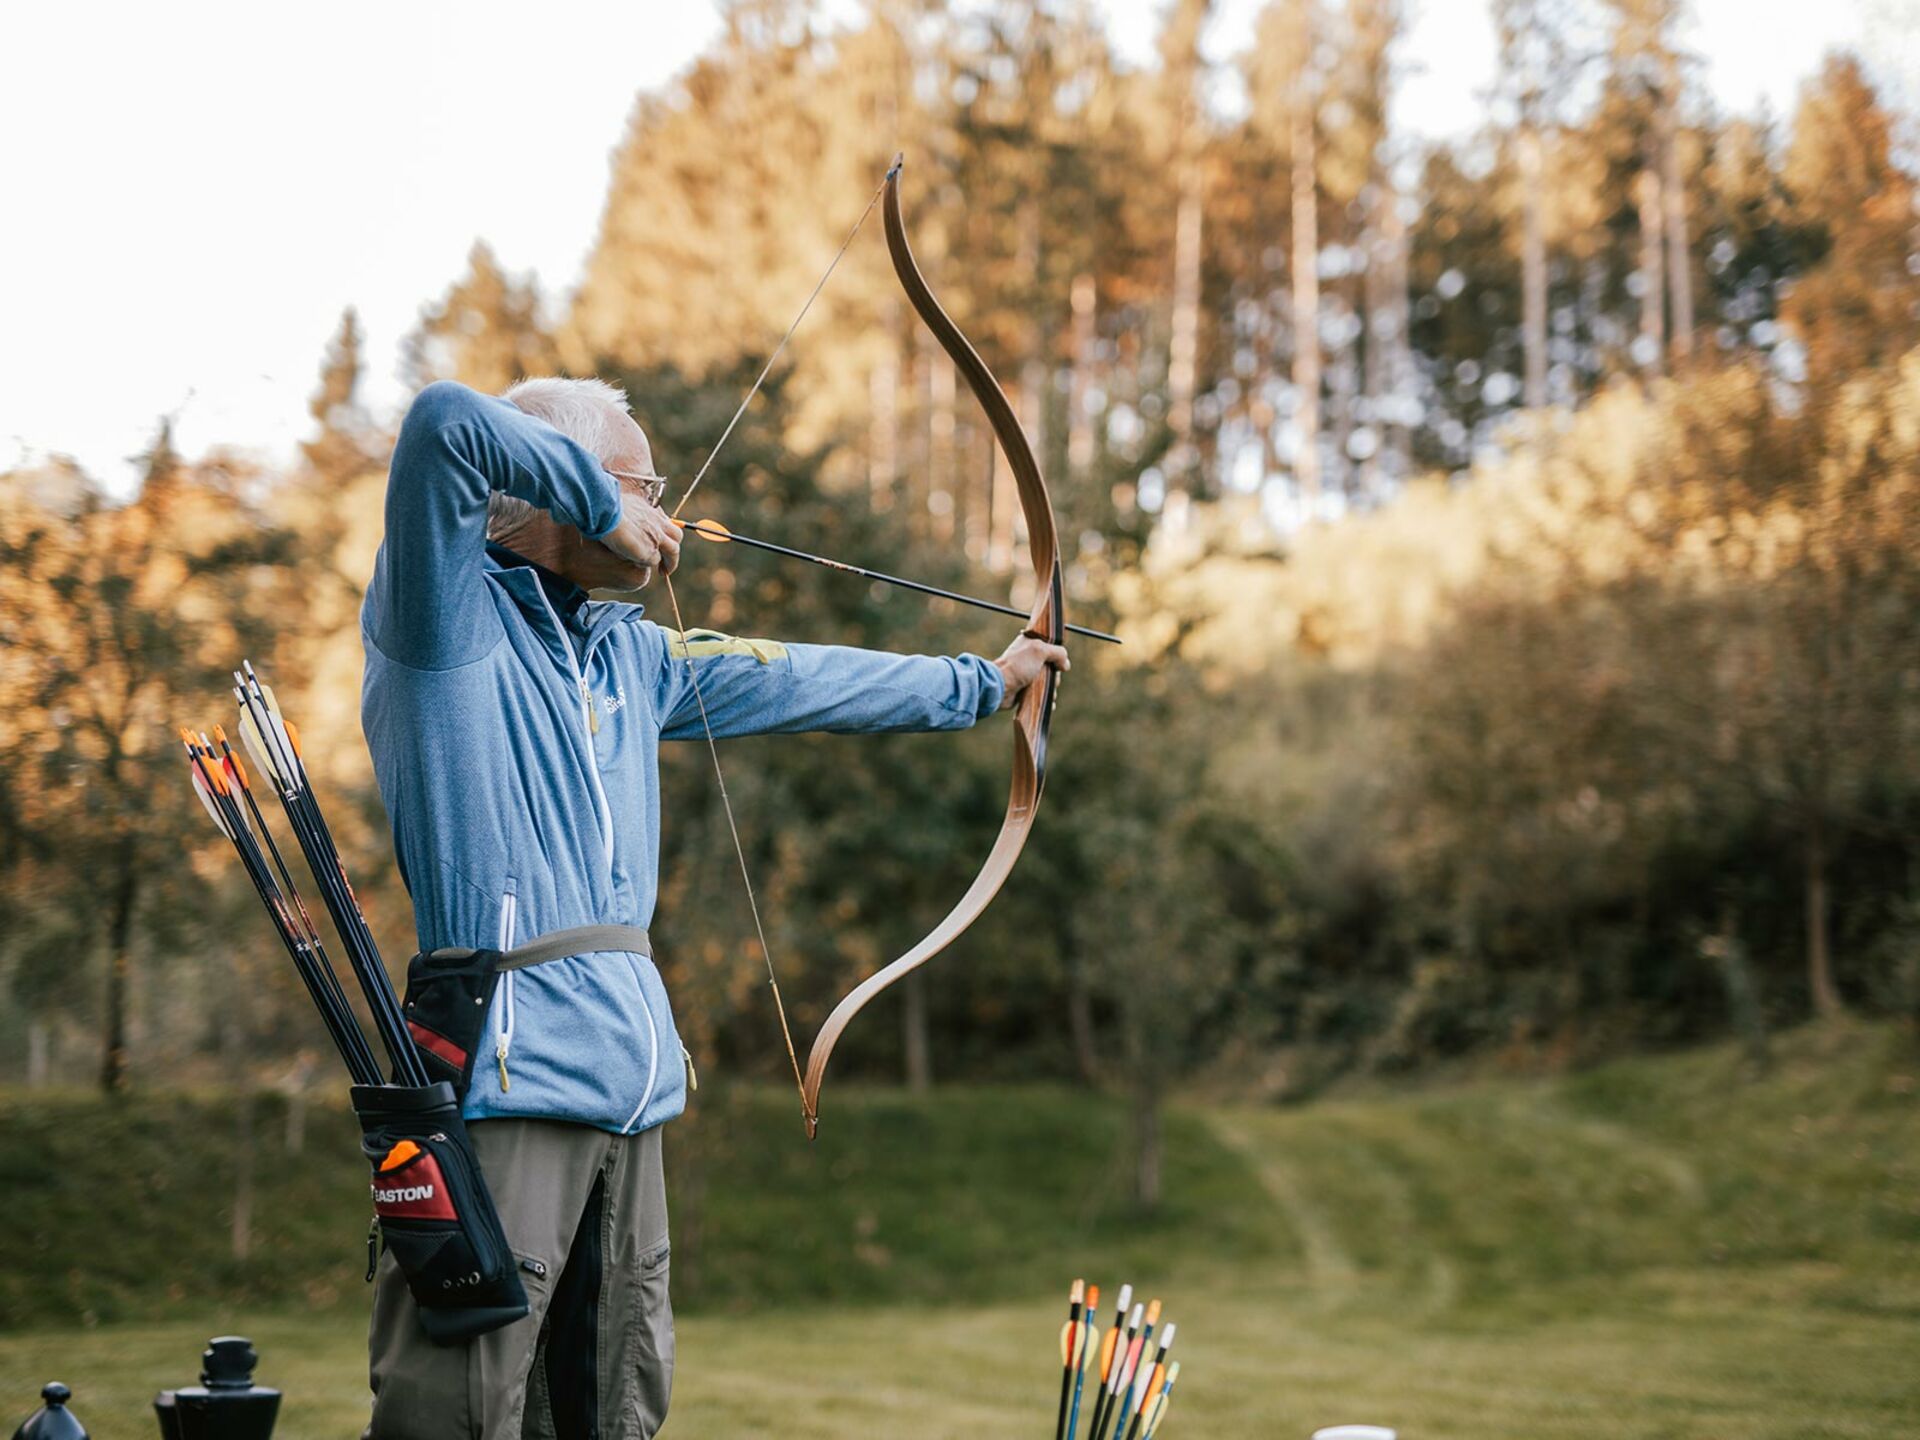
[713,750]
[739,850]
[767,368]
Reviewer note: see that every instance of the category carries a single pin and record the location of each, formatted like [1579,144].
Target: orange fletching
[1106,1352]
[399,1155]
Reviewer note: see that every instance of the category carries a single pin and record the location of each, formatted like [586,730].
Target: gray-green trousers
[586,1212]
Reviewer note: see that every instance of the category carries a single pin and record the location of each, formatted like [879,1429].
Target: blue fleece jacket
[515,728]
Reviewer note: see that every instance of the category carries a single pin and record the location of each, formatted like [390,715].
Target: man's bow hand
[1024,661]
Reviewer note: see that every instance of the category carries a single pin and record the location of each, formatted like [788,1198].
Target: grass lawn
[1660,1248]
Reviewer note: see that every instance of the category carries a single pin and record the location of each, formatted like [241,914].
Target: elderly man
[515,726]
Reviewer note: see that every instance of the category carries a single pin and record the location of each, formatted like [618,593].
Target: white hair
[588,412]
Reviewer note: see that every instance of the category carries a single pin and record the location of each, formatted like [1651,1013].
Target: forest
[1515,541]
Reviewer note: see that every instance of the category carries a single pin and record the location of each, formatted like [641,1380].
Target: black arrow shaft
[698,527]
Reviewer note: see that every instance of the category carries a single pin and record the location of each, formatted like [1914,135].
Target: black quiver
[435,1214]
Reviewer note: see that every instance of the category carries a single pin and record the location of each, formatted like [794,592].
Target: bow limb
[1034,713]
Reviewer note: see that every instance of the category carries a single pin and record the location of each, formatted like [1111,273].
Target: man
[515,725]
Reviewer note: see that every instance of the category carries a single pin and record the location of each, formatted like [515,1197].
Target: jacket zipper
[653,1057]
[503,1021]
[605,812]
[600,805]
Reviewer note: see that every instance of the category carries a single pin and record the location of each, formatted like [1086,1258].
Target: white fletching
[255,744]
[205,792]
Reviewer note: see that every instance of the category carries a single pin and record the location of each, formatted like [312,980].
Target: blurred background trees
[1514,539]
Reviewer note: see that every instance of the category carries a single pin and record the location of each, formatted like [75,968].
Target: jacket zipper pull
[500,1057]
[693,1080]
[593,715]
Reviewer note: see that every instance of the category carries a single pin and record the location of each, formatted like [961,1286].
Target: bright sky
[190,202]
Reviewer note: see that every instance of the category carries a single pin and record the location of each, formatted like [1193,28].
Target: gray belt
[558,944]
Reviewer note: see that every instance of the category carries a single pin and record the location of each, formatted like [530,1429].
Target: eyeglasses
[651,487]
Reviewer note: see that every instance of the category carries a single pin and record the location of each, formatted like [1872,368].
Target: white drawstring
[504,1018]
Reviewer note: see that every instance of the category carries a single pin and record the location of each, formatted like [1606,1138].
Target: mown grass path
[1656,1249]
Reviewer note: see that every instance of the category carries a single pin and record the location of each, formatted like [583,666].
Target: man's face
[631,454]
[590,564]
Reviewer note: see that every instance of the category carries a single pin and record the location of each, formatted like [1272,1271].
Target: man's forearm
[764,688]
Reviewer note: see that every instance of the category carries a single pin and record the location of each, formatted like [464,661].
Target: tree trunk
[126,893]
[883,442]
[1397,435]
[39,1055]
[1729,955]
[1679,260]
[915,1044]
[1033,419]
[1084,297]
[233,1043]
[1533,270]
[1183,349]
[943,499]
[1820,984]
[1375,358]
[1003,500]
[296,1132]
[1344,388]
[1306,308]
[1386,337]
[1147,1152]
[1029,403]
[1652,294]
[297,1081]
[242,1234]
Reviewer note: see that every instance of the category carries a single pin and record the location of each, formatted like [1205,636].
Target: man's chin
[624,588]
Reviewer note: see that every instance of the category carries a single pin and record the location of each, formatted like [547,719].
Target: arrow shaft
[934,590]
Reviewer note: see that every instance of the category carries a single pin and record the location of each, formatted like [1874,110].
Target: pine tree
[1287,83]
[1182,76]
[1858,302]
[346,442]
[484,332]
